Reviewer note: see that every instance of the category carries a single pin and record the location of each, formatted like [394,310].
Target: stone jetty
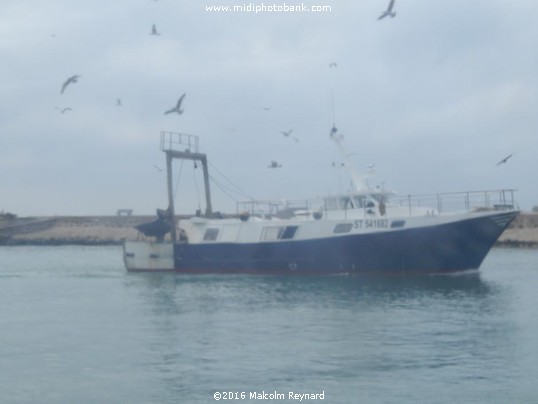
[60,230]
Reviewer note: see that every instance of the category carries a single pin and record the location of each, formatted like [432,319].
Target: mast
[357,179]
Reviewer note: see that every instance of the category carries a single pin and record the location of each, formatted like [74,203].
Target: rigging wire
[232,190]
[225,189]
[237,190]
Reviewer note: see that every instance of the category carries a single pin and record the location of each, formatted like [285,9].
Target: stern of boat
[144,256]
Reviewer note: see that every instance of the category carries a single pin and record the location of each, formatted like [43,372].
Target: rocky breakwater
[522,232]
[60,230]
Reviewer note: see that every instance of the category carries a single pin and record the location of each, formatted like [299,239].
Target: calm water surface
[76,328]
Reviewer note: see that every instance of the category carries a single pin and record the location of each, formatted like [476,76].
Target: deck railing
[468,201]
[442,203]
[281,209]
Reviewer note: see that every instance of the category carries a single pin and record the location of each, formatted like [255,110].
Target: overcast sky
[434,97]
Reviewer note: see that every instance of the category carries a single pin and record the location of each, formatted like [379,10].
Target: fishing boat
[368,230]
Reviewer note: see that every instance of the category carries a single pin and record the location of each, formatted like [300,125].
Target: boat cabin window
[274,233]
[397,223]
[342,228]
[211,234]
[288,232]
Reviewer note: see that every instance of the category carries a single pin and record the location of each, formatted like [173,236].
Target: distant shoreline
[76,230]
[522,232]
[114,230]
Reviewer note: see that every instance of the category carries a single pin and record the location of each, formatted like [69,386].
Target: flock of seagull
[73,79]
[388,12]
[178,110]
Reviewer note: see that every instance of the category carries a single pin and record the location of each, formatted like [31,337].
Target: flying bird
[177,108]
[504,160]
[118,102]
[63,110]
[388,11]
[72,79]
[267,108]
[333,64]
[287,133]
[154,30]
[274,164]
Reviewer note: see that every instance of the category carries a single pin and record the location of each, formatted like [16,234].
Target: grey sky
[434,98]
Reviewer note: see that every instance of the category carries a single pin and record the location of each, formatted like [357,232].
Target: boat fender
[244,216]
[317,215]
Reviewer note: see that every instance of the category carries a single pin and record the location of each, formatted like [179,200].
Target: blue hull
[449,247]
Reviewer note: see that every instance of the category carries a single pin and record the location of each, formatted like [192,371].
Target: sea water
[75,327]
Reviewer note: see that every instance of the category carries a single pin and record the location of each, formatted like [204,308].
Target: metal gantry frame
[182,146]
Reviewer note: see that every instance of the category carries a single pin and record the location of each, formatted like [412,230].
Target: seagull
[267,108]
[274,164]
[72,79]
[388,11]
[63,110]
[504,160]
[118,102]
[333,64]
[287,133]
[154,30]
[177,108]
